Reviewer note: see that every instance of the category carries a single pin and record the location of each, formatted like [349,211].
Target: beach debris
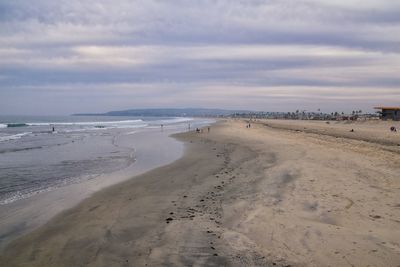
[393,129]
[93,208]
[375,216]
[169,219]
[352,130]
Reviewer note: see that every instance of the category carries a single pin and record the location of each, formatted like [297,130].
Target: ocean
[49,164]
[40,154]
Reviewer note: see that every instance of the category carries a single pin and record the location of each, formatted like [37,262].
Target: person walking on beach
[208,129]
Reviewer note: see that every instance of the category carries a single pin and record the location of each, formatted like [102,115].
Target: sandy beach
[281,193]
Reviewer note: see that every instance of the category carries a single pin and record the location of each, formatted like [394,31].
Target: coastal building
[389,113]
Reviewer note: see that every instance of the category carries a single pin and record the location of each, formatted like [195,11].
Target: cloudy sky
[66,56]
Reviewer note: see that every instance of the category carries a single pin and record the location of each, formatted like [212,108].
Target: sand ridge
[239,197]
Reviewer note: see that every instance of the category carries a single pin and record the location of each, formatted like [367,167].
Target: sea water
[49,164]
[39,154]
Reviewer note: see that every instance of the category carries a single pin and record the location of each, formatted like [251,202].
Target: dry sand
[239,197]
[374,131]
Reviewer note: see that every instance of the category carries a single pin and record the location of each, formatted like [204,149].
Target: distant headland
[169,112]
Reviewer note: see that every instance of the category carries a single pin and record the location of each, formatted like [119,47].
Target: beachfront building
[389,113]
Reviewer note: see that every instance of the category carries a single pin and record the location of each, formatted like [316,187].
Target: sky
[70,56]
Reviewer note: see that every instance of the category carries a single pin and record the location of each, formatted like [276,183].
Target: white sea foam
[91,128]
[129,133]
[173,120]
[126,122]
[18,195]
[130,126]
[108,124]
[13,137]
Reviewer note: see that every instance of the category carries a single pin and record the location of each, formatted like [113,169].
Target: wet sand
[23,216]
[239,197]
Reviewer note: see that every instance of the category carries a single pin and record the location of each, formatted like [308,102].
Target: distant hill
[169,112]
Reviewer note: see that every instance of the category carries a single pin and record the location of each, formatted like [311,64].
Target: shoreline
[23,216]
[258,197]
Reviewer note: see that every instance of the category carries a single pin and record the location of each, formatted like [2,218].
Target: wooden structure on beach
[389,113]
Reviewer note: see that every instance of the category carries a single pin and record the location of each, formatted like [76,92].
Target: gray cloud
[101,55]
